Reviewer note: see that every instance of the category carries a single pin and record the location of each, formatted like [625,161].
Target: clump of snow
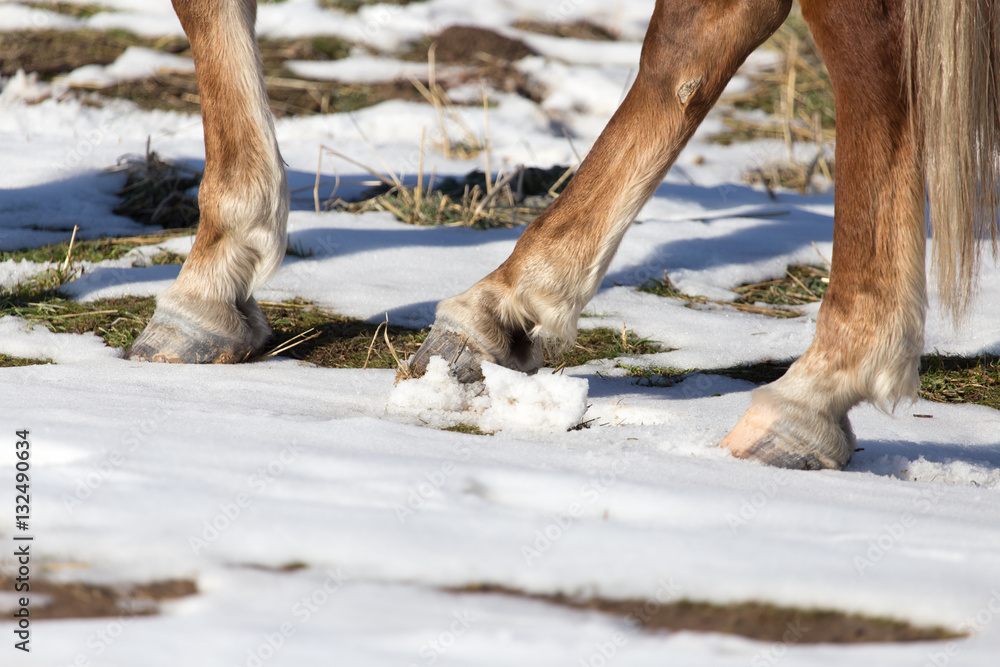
[504,400]
[19,338]
[24,88]
[135,63]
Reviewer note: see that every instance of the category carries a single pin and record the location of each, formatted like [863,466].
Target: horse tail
[952,54]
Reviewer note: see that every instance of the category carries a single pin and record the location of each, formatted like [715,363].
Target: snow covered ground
[226,474]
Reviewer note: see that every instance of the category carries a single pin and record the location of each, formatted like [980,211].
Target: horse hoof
[785,435]
[170,340]
[464,354]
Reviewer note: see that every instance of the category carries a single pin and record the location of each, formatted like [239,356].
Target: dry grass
[118,321]
[800,285]
[287,95]
[654,376]
[344,342]
[53,52]
[961,380]
[798,97]
[12,362]
[666,289]
[603,343]
[577,30]
[156,191]
[474,200]
[760,621]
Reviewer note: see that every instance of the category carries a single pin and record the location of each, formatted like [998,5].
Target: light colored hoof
[785,435]
[169,339]
[463,354]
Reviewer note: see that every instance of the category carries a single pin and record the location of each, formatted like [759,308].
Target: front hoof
[171,340]
[781,434]
[464,355]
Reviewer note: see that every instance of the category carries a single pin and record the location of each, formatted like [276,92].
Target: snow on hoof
[504,400]
[462,353]
[171,340]
[786,435]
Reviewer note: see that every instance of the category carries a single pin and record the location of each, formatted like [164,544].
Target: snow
[360,69]
[19,338]
[135,63]
[225,474]
[503,400]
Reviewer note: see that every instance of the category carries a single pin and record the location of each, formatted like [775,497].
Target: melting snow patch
[135,63]
[19,338]
[504,400]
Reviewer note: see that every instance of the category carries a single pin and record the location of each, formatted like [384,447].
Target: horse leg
[691,51]
[869,333]
[208,314]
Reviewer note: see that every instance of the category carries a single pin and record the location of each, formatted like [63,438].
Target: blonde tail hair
[953,66]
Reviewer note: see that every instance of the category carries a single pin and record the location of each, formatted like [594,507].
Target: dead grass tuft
[473,200]
[156,191]
[961,380]
[603,343]
[666,289]
[801,284]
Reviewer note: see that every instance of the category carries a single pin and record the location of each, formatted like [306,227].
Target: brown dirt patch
[79,600]
[53,52]
[489,55]
[579,30]
[467,45]
[763,622]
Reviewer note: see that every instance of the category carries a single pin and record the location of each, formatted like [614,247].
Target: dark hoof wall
[463,354]
[169,342]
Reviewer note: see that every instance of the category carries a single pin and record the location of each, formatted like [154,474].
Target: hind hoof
[170,340]
[779,433]
[463,354]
